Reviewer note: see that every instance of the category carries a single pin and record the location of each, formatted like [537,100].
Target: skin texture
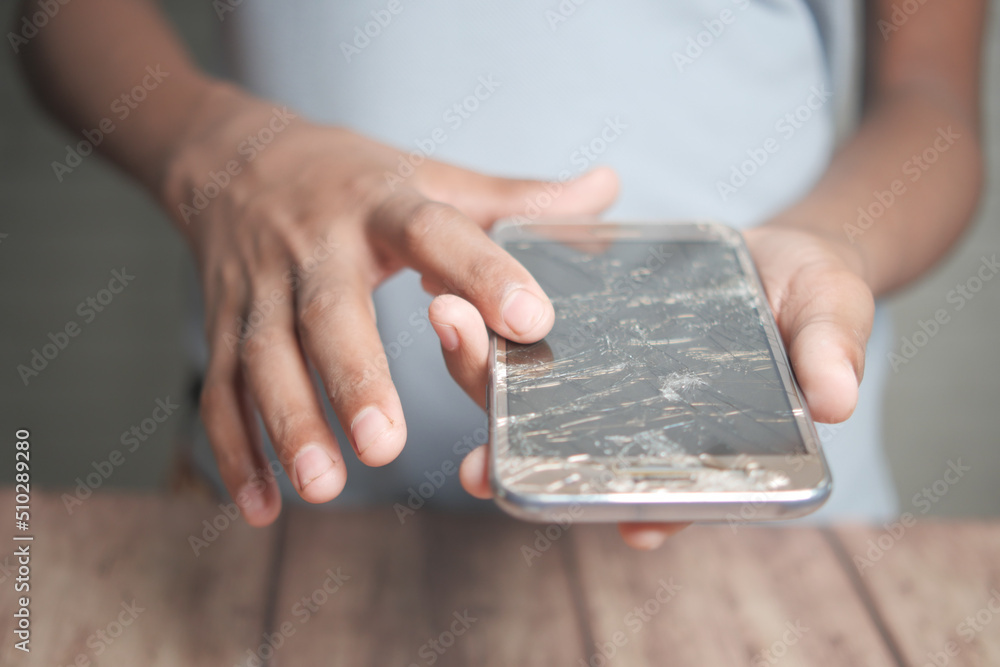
[309,228]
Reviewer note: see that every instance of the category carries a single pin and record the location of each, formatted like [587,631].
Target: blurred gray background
[59,243]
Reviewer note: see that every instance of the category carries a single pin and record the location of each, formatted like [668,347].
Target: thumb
[486,199]
[824,310]
[829,329]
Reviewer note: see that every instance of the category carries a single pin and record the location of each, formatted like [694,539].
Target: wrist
[206,142]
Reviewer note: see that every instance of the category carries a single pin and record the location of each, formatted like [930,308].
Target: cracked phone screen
[658,350]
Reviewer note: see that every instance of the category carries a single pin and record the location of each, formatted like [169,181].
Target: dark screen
[657,349]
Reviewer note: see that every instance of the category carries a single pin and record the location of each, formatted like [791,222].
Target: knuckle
[287,424]
[365,189]
[427,221]
[514,187]
[854,290]
[317,306]
[265,206]
[356,380]
[231,462]
[226,280]
[259,343]
[484,274]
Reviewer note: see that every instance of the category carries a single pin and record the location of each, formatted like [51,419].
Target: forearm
[85,66]
[901,190]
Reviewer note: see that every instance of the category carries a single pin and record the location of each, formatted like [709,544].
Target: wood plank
[88,567]
[927,580]
[409,584]
[764,596]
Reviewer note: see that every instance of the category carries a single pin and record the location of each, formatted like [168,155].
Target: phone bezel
[808,473]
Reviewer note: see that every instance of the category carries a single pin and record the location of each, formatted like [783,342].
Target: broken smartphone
[663,391]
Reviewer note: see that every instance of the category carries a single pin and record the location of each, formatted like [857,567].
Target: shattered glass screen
[657,350]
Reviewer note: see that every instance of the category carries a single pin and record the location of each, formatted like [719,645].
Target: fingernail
[647,540]
[448,335]
[250,498]
[311,463]
[368,427]
[522,311]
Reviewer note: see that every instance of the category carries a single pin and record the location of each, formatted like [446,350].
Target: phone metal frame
[515,487]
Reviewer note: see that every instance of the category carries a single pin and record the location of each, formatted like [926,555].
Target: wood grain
[926,581]
[359,588]
[409,581]
[132,550]
[741,597]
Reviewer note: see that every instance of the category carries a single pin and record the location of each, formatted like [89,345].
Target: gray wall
[63,239]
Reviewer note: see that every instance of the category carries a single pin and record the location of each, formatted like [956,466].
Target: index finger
[450,249]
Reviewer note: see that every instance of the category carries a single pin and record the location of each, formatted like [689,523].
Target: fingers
[337,329]
[828,320]
[648,536]
[464,342]
[286,399]
[453,254]
[232,431]
[474,473]
[486,199]
[450,249]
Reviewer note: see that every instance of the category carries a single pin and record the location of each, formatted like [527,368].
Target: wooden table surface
[118,582]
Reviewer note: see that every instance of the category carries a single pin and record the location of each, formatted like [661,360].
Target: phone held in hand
[663,391]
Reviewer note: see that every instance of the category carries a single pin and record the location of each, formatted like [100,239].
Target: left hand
[823,308]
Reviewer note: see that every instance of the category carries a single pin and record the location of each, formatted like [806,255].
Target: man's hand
[823,308]
[289,252]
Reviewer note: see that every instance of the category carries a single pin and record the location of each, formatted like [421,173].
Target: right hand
[289,252]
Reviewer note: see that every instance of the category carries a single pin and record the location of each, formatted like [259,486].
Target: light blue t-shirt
[720,109]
